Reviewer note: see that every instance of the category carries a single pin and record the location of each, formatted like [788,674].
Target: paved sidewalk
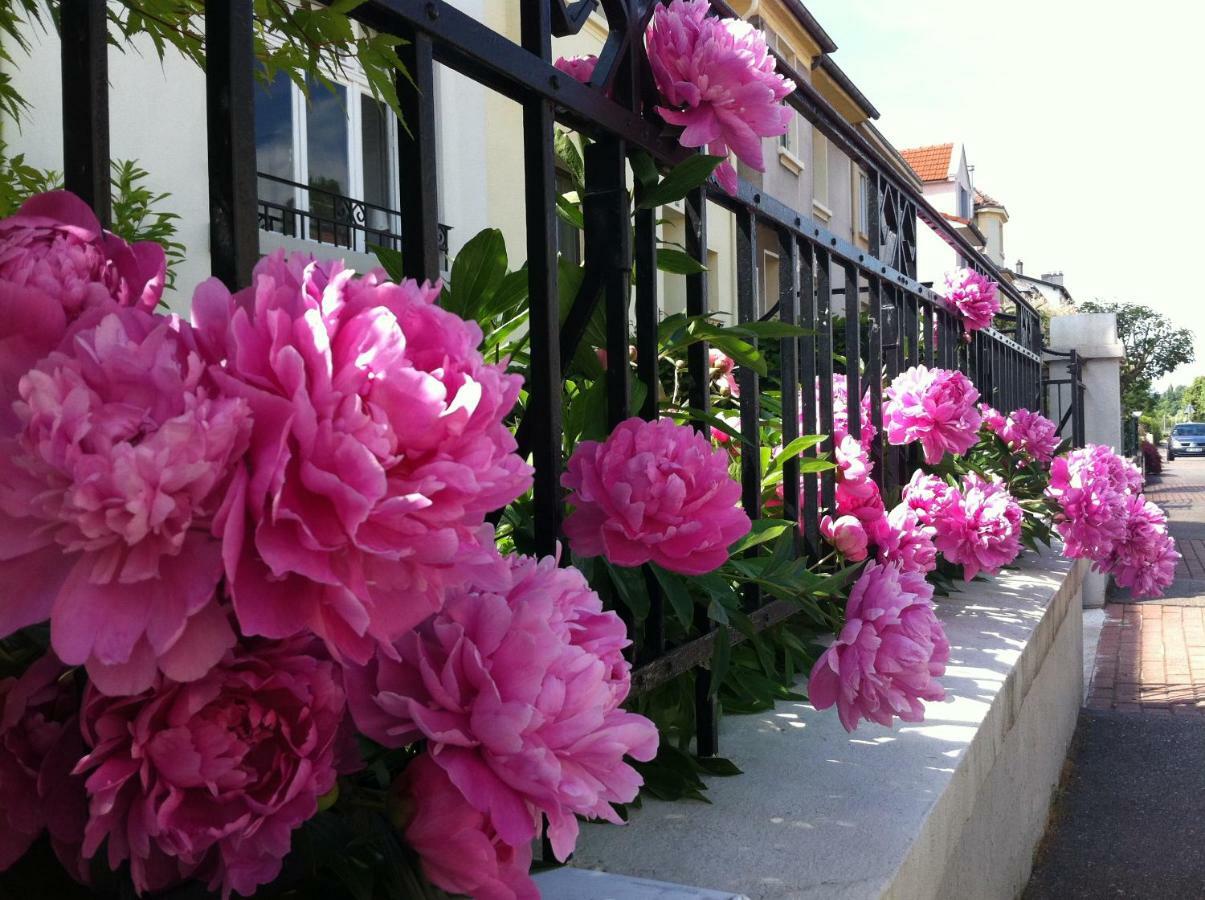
[1130,818]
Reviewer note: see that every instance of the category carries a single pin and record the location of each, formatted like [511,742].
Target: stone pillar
[1094,337]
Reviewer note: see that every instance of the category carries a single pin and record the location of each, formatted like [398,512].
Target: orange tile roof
[930,163]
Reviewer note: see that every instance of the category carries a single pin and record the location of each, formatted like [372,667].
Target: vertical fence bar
[653,644]
[84,64]
[544,375]
[609,251]
[788,312]
[824,362]
[874,377]
[746,311]
[706,708]
[893,351]
[911,453]
[230,109]
[646,309]
[807,359]
[418,182]
[930,336]
[853,351]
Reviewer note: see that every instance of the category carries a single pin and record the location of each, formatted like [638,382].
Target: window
[327,164]
[862,204]
[964,202]
[769,281]
[820,171]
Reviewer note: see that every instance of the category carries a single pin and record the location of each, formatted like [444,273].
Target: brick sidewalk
[1151,659]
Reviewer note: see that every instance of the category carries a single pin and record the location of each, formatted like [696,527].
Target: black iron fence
[891,321]
[1063,396]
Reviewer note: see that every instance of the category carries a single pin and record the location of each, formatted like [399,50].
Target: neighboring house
[943,170]
[1047,294]
[990,219]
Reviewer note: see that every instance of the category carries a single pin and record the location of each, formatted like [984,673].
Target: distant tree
[1154,346]
[1192,401]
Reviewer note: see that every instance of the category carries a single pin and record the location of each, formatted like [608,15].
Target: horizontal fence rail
[888,320]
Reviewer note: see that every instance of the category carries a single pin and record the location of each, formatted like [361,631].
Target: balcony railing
[316,214]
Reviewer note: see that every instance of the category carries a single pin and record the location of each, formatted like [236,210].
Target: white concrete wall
[157,116]
[950,808]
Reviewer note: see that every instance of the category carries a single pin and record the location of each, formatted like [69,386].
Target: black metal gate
[823,276]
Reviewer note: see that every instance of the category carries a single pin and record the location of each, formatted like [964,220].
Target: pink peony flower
[460,851]
[208,780]
[979,526]
[856,493]
[719,83]
[992,419]
[379,446]
[723,370]
[653,491]
[56,264]
[579,68]
[972,297]
[840,398]
[904,540]
[55,245]
[847,535]
[1090,485]
[524,714]
[935,407]
[40,743]
[926,495]
[107,495]
[1031,435]
[889,654]
[1144,558]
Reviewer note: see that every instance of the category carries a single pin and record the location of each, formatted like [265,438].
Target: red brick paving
[1151,659]
[1151,656]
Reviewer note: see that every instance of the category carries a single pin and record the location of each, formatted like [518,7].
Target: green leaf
[678,594]
[763,530]
[681,180]
[809,465]
[391,262]
[644,170]
[770,329]
[477,272]
[678,263]
[793,449]
[691,414]
[632,590]
[571,160]
[570,211]
[718,765]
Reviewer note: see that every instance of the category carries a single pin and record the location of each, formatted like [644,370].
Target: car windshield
[1189,430]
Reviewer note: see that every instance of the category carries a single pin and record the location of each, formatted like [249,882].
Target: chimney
[1020,267]
[1054,278]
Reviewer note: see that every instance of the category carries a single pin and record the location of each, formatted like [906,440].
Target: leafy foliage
[137,216]
[302,39]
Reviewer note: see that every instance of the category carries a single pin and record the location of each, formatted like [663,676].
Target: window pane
[326,146]
[374,135]
[274,151]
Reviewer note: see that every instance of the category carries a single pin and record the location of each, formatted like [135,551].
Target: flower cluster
[1029,434]
[719,83]
[1105,518]
[974,298]
[523,718]
[216,517]
[653,491]
[889,654]
[935,407]
[723,372]
[840,398]
[978,525]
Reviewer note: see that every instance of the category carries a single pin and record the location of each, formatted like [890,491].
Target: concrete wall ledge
[952,807]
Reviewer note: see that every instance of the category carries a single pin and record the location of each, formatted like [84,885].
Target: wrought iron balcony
[316,214]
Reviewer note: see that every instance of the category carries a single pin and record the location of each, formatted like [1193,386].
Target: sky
[1083,118]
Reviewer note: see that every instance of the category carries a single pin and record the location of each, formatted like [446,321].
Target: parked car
[1187,439]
